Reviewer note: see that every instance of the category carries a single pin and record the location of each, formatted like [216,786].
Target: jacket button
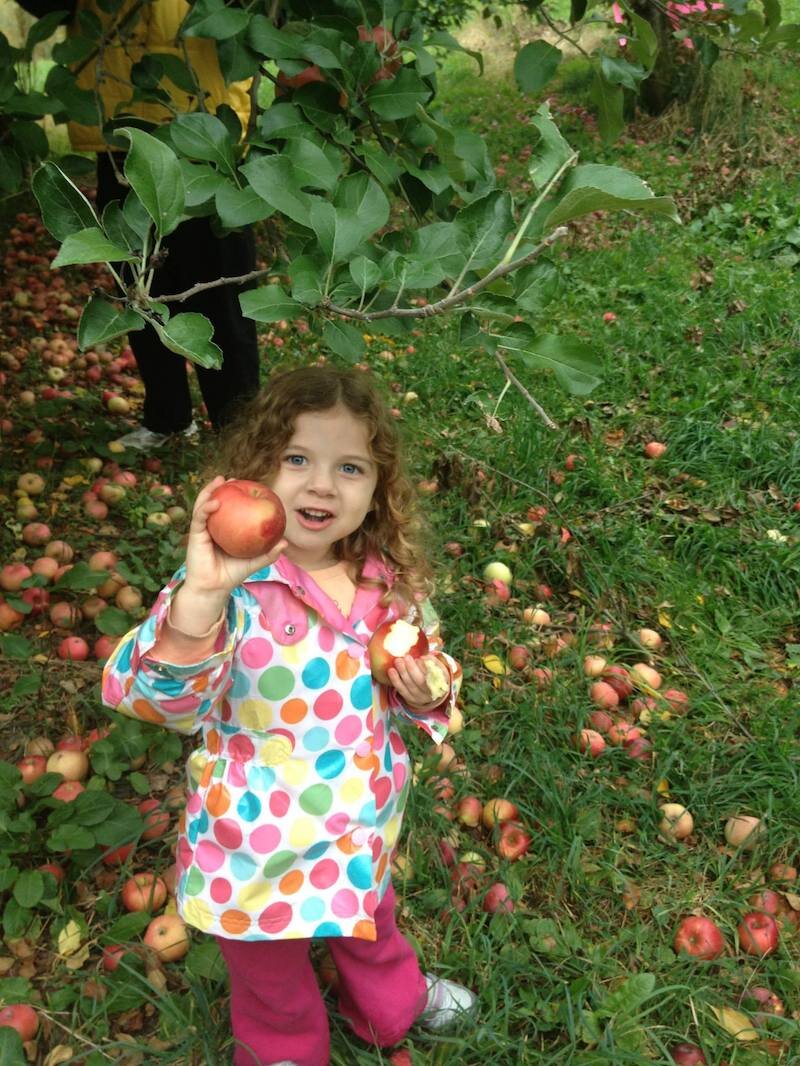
[289,629]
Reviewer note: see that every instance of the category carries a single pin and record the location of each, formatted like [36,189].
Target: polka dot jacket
[296,796]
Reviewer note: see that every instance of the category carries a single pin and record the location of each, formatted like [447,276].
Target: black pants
[194,254]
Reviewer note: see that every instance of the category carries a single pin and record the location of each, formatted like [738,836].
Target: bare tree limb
[202,286]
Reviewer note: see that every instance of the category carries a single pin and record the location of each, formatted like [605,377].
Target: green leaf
[574,363]
[643,46]
[176,71]
[536,286]
[485,224]
[201,182]
[70,838]
[237,60]
[535,65]
[205,961]
[307,278]
[312,167]
[79,104]
[273,179]
[344,340]
[113,622]
[189,334]
[140,783]
[621,72]
[594,187]
[399,96]
[126,928]
[15,647]
[10,169]
[381,165]
[30,140]
[364,273]
[12,1052]
[630,995]
[551,153]
[443,39]
[320,105]
[202,136]
[436,254]
[213,18]
[94,808]
[103,321]
[239,207]
[283,121]
[154,174]
[27,685]
[269,303]
[339,232]
[609,101]
[577,9]
[29,888]
[43,28]
[364,200]
[269,41]
[445,145]
[90,246]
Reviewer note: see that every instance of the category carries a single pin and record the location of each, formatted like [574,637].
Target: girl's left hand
[407,677]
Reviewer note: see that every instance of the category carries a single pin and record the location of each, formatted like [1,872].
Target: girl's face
[325,479]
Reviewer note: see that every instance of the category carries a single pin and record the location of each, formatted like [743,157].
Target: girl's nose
[321,481]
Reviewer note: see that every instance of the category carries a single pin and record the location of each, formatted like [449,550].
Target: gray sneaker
[448,1003]
[145,440]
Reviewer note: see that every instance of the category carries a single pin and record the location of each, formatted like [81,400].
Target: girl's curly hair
[392,531]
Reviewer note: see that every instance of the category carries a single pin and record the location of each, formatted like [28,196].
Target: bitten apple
[249,521]
[391,641]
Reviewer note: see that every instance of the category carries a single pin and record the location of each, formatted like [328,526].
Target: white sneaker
[447,1004]
[145,440]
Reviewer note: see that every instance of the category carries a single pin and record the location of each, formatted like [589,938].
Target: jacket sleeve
[435,721]
[167,694]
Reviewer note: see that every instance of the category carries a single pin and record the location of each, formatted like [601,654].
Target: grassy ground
[701,544]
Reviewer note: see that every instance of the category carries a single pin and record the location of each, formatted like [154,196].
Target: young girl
[296,794]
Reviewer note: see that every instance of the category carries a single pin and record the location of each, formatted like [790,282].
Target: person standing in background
[193,252]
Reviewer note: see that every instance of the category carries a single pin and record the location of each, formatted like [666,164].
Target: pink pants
[277,1011]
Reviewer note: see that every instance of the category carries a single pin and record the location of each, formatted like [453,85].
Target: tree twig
[202,286]
[453,299]
[540,411]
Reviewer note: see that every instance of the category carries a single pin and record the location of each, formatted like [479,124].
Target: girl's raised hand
[210,571]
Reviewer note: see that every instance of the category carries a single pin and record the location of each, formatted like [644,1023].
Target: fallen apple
[144,892]
[591,742]
[72,765]
[687,1055]
[168,936]
[758,933]
[699,937]
[649,639]
[676,822]
[156,819]
[513,841]
[32,767]
[603,695]
[646,676]
[469,811]
[250,519]
[594,665]
[743,831]
[497,898]
[497,811]
[497,571]
[22,1017]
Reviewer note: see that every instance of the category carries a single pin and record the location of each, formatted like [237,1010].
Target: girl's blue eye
[351,468]
[295,460]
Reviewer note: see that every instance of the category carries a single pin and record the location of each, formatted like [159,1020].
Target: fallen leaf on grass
[60,1053]
[735,1022]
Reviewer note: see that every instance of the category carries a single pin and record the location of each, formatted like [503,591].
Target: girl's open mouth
[311,518]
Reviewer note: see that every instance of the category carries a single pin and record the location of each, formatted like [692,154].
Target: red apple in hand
[249,521]
[699,937]
[391,641]
[758,933]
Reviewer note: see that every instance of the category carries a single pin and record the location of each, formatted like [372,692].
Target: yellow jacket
[154,30]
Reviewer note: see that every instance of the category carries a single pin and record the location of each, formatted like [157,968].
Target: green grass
[702,355]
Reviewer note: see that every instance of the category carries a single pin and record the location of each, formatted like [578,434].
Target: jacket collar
[303,586]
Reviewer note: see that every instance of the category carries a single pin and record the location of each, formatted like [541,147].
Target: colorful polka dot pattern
[296,796]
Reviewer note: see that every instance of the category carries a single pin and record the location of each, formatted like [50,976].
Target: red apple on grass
[469,811]
[72,765]
[758,933]
[513,842]
[497,898]
[156,820]
[687,1055]
[699,937]
[112,954]
[497,811]
[249,521]
[32,767]
[22,1017]
[68,791]
[144,892]
[168,936]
